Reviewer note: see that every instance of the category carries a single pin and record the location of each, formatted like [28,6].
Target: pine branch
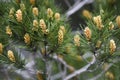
[61,74]
[108,67]
[99,75]
[80,71]
[77,6]
[62,61]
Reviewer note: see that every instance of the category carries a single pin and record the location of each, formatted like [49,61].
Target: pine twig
[108,67]
[77,6]
[61,74]
[99,75]
[62,61]
[80,71]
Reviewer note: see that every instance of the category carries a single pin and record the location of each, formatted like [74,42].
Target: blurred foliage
[41,29]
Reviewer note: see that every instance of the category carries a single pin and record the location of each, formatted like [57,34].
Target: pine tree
[35,32]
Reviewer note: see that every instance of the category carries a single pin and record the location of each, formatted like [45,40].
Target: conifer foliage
[38,27]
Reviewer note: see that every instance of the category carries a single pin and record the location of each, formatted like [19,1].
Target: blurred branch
[108,67]
[61,74]
[57,76]
[78,72]
[5,72]
[67,3]
[62,61]
[48,69]
[28,71]
[77,6]
[99,75]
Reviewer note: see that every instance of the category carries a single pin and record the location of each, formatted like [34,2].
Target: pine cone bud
[87,33]
[77,40]
[60,36]
[42,24]
[118,21]
[112,46]
[49,13]
[87,14]
[22,6]
[35,11]
[111,25]
[109,75]
[32,2]
[27,38]
[1,48]
[98,44]
[57,16]
[8,31]
[11,13]
[39,76]
[35,23]
[63,29]
[11,56]
[19,15]
[98,21]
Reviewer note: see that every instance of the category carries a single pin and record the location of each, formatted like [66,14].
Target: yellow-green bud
[11,56]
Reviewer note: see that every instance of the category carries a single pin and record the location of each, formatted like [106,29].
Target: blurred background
[74,12]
